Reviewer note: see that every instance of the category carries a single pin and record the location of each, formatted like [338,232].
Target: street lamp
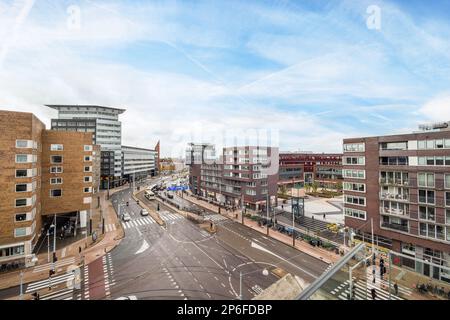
[265,272]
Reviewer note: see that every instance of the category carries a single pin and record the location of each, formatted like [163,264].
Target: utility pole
[48,245]
[240,285]
[373,241]
[21,285]
[267,211]
[293,229]
[242,206]
[54,237]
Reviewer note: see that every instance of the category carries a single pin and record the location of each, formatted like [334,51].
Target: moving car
[144,212]
[126,217]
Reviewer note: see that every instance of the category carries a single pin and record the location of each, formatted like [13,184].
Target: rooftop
[59,106]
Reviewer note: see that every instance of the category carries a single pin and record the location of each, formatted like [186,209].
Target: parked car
[127,298]
[144,212]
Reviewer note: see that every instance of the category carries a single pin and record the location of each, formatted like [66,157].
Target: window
[22,158]
[426,196]
[359,201]
[56,147]
[426,180]
[427,213]
[354,147]
[355,174]
[56,180]
[87,169]
[87,158]
[56,159]
[22,187]
[357,187]
[250,192]
[359,161]
[87,179]
[23,144]
[394,146]
[354,213]
[56,170]
[55,193]
[21,202]
[447,181]
[20,232]
[422,145]
[87,200]
[23,173]
[447,199]
[88,190]
[87,148]
[21,217]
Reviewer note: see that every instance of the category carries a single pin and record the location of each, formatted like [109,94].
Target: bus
[150,195]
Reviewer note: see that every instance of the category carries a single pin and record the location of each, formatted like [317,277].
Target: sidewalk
[69,256]
[319,253]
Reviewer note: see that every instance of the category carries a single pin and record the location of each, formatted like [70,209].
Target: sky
[300,75]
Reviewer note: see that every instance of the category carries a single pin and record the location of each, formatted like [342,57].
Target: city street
[182,261]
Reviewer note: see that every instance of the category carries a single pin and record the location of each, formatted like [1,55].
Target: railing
[397,212]
[394,182]
[394,196]
[395,226]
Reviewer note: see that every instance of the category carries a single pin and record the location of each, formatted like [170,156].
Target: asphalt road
[182,261]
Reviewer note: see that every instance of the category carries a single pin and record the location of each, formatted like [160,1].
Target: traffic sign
[178,188]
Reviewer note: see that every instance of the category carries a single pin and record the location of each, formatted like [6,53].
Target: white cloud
[437,109]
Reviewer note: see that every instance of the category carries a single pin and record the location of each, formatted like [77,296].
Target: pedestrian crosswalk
[110,227]
[65,294]
[48,266]
[138,222]
[363,290]
[55,280]
[215,217]
[167,216]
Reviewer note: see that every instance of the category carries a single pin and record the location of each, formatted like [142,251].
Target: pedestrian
[324,216]
[79,250]
[374,293]
[282,207]
[313,217]
[396,288]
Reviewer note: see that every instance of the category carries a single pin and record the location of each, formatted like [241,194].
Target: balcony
[395,226]
[394,182]
[394,211]
[394,196]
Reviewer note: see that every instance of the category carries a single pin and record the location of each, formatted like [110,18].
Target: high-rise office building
[103,123]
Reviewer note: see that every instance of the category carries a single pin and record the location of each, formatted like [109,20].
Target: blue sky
[309,72]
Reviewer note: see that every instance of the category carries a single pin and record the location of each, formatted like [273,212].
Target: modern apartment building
[298,168]
[138,163]
[196,155]
[103,123]
[402,184]
[43,174]
[239,174]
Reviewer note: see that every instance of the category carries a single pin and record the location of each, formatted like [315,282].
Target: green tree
[314,186]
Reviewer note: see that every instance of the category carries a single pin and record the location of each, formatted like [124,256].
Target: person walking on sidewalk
[396,288]
[324,216]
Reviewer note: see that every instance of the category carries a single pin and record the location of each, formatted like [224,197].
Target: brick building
[298,168]
[43,173]
[402,184]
